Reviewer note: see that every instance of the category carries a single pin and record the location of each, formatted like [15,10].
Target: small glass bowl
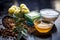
[49,14]
[43,26]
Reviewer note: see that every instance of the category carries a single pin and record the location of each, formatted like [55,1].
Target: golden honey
[43,27]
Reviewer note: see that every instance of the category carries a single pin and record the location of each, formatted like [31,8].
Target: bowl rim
[35,23]
[50,9]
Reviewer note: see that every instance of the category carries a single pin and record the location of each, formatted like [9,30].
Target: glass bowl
[49,14]
[43,26]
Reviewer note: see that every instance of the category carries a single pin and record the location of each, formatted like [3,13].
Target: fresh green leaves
[19,36]
[21,31]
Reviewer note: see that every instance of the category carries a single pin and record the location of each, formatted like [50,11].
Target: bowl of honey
[43,26]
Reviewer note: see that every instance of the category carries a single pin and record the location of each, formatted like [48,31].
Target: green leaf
[14,16]
[19,36]
[19,15]
[24,32]
[18,20]
[19,29]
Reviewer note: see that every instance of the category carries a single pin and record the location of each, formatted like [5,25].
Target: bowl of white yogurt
[49,14]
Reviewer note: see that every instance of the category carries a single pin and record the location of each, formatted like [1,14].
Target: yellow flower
[11,10]
[22,5]
[24,8]
[13,6]
[14,9]
[17,11]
